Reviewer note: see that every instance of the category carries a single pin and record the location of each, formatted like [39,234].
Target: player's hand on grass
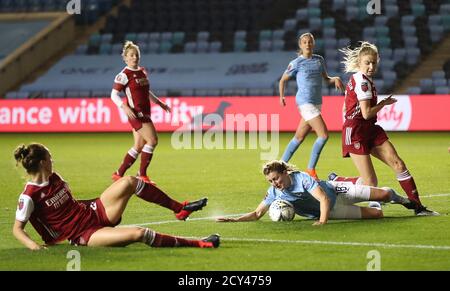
[38,247]
[318,223]
[226,219]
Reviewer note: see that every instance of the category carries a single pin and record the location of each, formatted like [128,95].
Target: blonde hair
[278,166]
[353,56]
[128,46]
[306,34]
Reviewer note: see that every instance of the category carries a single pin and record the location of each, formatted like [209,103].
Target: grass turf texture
[232,181]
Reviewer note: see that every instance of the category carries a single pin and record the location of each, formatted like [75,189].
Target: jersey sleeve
[270,196]
[120,82]
[291,69]
[363,89]
[24,208]
[308,182]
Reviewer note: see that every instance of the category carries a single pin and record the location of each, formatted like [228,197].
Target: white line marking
[237,214]
[189,219]
[435,195]
[384,245]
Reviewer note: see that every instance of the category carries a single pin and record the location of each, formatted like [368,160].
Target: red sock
[128,161]
[409,186]
[346,179]
[164,240]
[146,157]
[151,193]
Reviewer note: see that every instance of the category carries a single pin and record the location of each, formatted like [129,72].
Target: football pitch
[232,180]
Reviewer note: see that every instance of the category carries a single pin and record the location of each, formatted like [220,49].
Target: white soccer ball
[281,210]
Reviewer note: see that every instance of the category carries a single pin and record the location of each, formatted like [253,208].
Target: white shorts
[343,210]
[348,194]
[309,111]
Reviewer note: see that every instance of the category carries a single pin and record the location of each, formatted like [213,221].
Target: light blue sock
[316,150]
[290,149]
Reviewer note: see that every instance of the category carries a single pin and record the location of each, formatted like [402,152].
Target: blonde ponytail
[353,56]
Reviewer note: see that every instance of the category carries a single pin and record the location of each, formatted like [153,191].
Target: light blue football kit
[308,73]
[299,194]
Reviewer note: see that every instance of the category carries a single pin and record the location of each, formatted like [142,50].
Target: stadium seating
[437,83]
[405,32]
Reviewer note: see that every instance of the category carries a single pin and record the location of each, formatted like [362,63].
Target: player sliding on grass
[320,200]
[133,80]
[361,136]
[48,204]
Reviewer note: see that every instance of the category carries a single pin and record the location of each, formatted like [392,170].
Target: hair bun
[21,152]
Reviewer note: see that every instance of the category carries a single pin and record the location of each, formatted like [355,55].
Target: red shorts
[97,221]
[360,137]
[139,120]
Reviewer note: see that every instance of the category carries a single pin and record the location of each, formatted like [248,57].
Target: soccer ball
[281,210]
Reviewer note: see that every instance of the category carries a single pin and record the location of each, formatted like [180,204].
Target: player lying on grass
[321,200]
[48,204]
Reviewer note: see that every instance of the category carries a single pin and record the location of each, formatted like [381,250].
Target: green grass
[232,181]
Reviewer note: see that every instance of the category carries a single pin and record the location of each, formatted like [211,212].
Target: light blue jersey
[299,194]
[308,73]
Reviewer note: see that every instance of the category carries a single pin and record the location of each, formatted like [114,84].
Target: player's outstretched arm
[156,100]
[24,238]
[251,216]
[369,112]
[320,195]
[281,87]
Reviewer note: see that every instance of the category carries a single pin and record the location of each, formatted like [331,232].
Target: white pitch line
[340,243]
[237,214]
[435,195]
[189,219]
[383,245]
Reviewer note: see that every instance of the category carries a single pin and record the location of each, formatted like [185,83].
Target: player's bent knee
[398,165]
[129,181]
[138,234]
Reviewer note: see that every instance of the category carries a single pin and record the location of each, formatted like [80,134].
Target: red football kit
[56,215]
[359,136]
[136,86]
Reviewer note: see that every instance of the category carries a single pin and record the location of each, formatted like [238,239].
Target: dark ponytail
[30,156]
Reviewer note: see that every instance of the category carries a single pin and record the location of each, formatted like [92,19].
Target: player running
[47,202]
[322,200]
[309,70]
[133,80]
[361,136]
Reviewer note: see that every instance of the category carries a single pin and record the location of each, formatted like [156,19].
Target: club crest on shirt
[20,204]
[289,67]
[364,86]
[357,145]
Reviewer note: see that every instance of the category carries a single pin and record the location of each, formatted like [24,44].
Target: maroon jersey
[136,86]
[53,212]
[359,136]
[359,88]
